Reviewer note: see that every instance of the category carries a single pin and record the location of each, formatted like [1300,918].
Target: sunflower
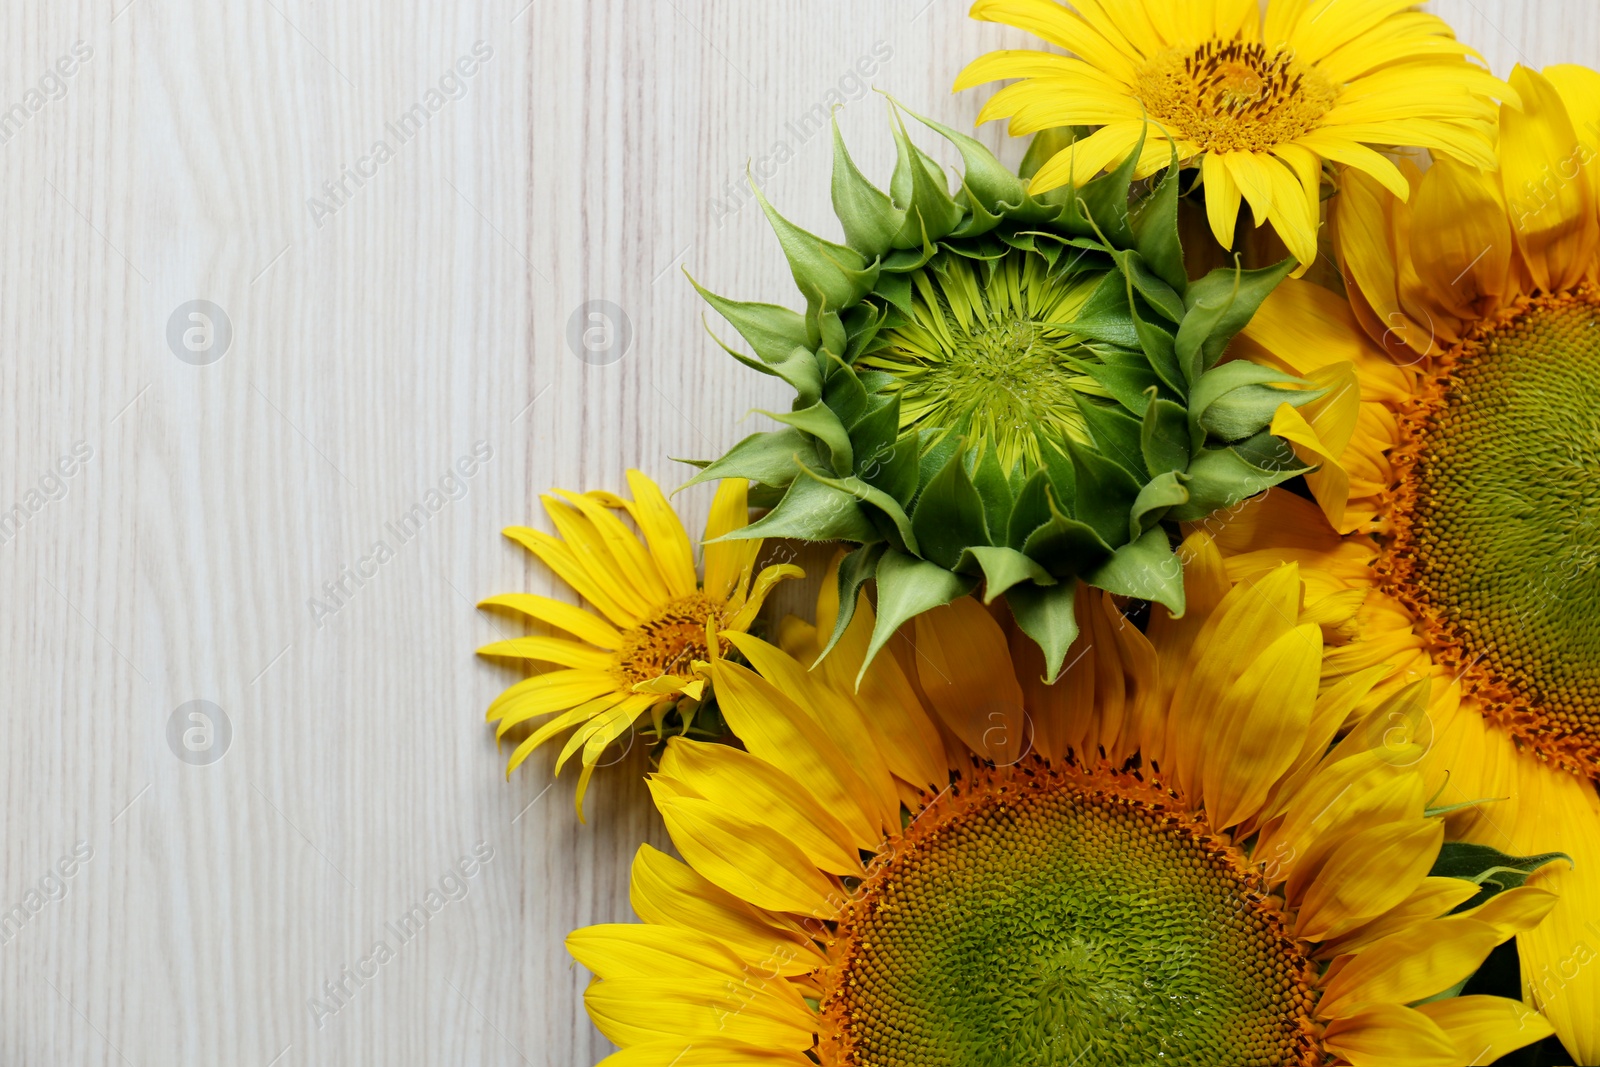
[643,651]
[1000,388]
[1460,482]
[1258,101]
[1159,859]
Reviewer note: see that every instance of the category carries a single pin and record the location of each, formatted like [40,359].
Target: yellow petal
[576,572]
[965,668]
[1330,482]
[1484,1029]
[765,583]
[1411,965]
[1465,261]
[590,547]
[772,726]
[727,561]
[1552,209]
[1059,26]
[703,1052]
[1080,161]
[664,533]
[574,620]
[643,950]
[669,892]
[740,782]
[1255,730]
[547,693]
[632,1011]
[1383,1034]
[1223,197]
[551,650]
[1432,898]
[634,563]
[750,861]
[835,711]
[1370,873]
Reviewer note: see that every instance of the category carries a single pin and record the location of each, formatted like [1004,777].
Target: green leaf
[896,472]
[812,511]
[1238,399]
[873,435]
[1221,478]
[855,570]
[1160,296]
[949,515]
[919,184]
[1105,316]
[1105,495]
[1065,547]
[1155,229]
[1492,870]
[907,587]
[990,183]
[872,499]
[1125,374]
[1226,301]
[1147,569]
[1156,499]
[772,332]
[1032,509]
[1002,568]
[1045,146]
[868,215]
[1164,437]
[844,394]
[995,490]
[820,422]
[1116,435]
[1045,613]
[831,275]
[766,458]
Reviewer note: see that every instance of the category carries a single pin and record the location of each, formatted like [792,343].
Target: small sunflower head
[997,387]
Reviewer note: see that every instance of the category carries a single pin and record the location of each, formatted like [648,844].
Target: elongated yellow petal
[547,693]
[750,861]
[1432,898]
[1411,965]
[1484,1029]
[634,561]
[551,650]
[1223,197]
[728,561]
[965,668]
[669,892]
[589,547]
[835,712]
[644,950]
[740,782]
[664,533]
[576,573]
[642,1010]
[1080,161]
[775,728]
[1257,727]
[1551,207]
[1382,1034]
[1062,27]
[1372,872]
[703,1052]
[574,620]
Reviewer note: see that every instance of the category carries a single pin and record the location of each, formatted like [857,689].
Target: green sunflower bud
[996,388]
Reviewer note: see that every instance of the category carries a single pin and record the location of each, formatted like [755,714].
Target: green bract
[997,387]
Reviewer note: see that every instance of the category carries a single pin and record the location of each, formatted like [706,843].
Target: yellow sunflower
[1159,859]
[1260,101]
[643,650]
[1460,452]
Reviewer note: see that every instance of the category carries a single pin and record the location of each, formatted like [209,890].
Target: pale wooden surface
[581,163]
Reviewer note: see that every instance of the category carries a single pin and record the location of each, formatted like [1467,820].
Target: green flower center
[1497,542]
[987,353]
[1053,917]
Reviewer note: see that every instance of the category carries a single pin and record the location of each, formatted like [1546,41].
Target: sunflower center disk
[1229,96]
[668,642]
[1053,918]
[991,358]
[1498,540]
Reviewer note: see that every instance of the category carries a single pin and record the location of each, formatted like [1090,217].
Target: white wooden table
[388,317]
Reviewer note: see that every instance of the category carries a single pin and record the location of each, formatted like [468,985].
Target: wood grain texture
[593,156]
